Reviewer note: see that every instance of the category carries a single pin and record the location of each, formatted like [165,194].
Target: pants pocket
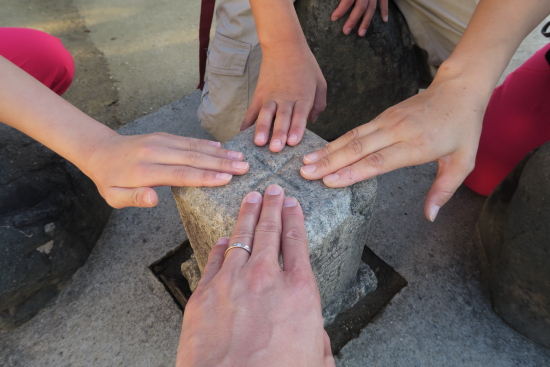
[225,95]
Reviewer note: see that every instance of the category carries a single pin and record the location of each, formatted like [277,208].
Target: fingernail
[293,138]
[334,18]
[315,119]
[223,176]
[386,18]
[260,138]
[433,212]
[362,32]
[253,197]
[274,190]
[215,143]
[289,202]
[331,178]
[309,169]
[235,155]
[276,143]
[347,30]
[240,165]
[313,157]
[222,241]
[149,200]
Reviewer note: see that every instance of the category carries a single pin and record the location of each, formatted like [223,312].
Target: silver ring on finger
[237,245]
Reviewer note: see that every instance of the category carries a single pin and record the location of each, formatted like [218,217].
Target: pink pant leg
[39,54]
[517,121]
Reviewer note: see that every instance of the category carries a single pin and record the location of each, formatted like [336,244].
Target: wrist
[287,49]
[97,146]
[469,80]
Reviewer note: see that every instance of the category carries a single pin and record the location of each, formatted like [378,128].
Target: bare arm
[124,168]
[442,123]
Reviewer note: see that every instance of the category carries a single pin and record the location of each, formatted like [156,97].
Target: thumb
[327,351]
[252,113]
[143,197]
[450,175]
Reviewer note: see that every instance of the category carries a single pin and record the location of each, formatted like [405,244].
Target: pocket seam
[236,47]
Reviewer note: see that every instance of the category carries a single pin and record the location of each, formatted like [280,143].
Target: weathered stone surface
[337,220]
[365,283]
[191,272]
[51,216]
[365,75]
[514,232]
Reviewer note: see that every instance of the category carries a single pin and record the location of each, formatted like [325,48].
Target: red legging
[39,54]
[517,121]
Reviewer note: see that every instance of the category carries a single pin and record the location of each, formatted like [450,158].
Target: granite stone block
[190,270]
[337,220]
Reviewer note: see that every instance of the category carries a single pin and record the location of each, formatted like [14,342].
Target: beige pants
[235,55]
[232,70]
[437,25]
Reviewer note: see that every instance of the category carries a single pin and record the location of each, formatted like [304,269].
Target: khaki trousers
[235,55]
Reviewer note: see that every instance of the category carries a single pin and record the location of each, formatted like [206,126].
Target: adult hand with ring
[247,310]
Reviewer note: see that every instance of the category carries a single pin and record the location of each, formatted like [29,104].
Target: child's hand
[125,168]
[361,8]
[291,89]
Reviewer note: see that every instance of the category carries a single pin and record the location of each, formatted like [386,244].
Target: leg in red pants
[39,54]
[517,121]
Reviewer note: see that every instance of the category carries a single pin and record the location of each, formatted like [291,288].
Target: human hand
[125,168]
[291,89]
[362,8]
[246,310]
[443,123]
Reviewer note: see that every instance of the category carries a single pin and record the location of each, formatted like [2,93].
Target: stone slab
[337,220]
[115,312]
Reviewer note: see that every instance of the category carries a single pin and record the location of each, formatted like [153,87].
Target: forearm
[493,35]
[277,24]
[29,106]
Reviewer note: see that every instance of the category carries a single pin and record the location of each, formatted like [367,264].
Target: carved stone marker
[337,220]
[365,75]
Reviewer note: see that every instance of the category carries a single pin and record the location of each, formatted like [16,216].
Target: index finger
[342,141]
[341,9]
[264,122]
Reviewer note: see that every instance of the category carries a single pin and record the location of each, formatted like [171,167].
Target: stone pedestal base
[337,220]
